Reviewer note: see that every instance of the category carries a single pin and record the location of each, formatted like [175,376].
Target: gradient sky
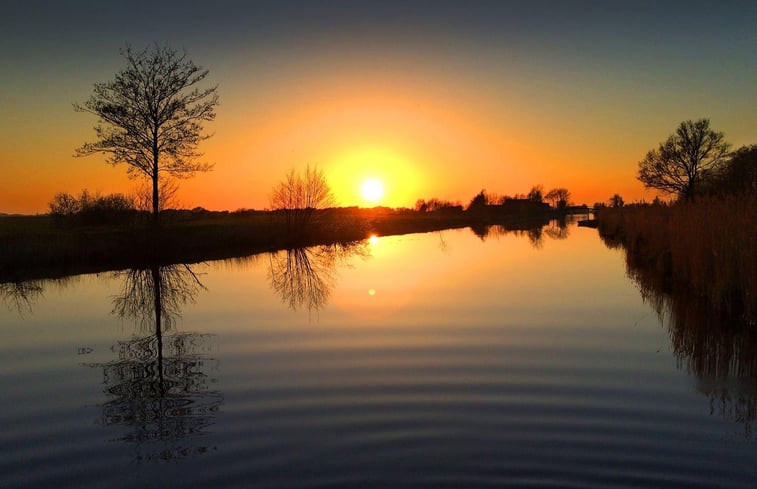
[436,99]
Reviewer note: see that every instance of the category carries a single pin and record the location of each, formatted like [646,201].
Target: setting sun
[372,190]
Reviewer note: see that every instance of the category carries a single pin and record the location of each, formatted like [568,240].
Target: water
[429,360]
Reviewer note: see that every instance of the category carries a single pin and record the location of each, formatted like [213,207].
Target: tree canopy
[151,116]
[559,197]
[677,165]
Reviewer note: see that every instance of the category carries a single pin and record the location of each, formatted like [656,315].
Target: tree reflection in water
[160,385]
[21,295]
[534,231]
[720,352]
[304,277]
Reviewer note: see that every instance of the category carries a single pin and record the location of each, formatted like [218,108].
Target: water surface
[453,359]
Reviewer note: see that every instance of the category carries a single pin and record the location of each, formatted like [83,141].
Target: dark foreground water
[436,360]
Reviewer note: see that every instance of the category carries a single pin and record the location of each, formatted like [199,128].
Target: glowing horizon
[517,95]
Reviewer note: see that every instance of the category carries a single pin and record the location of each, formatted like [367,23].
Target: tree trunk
[155,196]
[155,204]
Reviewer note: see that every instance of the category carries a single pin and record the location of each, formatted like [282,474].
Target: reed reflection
[721,352]
[304,277]
[160,386]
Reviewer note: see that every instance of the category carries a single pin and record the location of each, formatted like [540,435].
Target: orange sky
[431,111]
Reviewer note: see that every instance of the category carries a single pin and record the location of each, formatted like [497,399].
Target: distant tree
[63,205]
[299,195]
[91,208]
[616,201]
[559,197]
[536,193]
[478,202]
[151,116]
[677,164]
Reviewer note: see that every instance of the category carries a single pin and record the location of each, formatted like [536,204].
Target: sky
[431,98]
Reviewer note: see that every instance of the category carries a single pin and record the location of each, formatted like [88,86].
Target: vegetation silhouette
[298,197]
[303,278]
[616,201]
[705,246]
[678,164]
[100,234]
[92,209]
[560,197]
[160,386]
[151,116]
[735,176]
[536,194]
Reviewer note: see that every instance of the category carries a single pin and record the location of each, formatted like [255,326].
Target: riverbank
[706,248]
[34,247]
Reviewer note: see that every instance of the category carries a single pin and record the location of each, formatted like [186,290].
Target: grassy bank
[708,247]
[34,247]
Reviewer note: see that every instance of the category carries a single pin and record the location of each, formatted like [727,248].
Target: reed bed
[708,246]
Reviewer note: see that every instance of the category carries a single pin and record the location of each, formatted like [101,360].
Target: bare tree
[536,194]
[559,197]
[676,166]
[299,195]
[151,116]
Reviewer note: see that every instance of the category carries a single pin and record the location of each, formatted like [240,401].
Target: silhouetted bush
[479,202]
[92,209]
[434,204]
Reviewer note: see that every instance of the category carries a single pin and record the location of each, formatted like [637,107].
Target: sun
[372,190]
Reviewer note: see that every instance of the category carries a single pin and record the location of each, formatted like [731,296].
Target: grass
[708,247]
[35,247]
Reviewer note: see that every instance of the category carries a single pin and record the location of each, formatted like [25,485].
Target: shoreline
[36,247]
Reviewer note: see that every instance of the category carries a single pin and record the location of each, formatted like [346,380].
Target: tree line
[151,116]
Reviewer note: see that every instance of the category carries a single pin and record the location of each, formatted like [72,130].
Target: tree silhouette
[151,115]
[536,194]
[676,166]
[559,197]
[616,201]
[299,195]
[739,174]
[479,202]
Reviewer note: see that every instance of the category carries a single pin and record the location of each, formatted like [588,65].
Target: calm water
[429,360]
